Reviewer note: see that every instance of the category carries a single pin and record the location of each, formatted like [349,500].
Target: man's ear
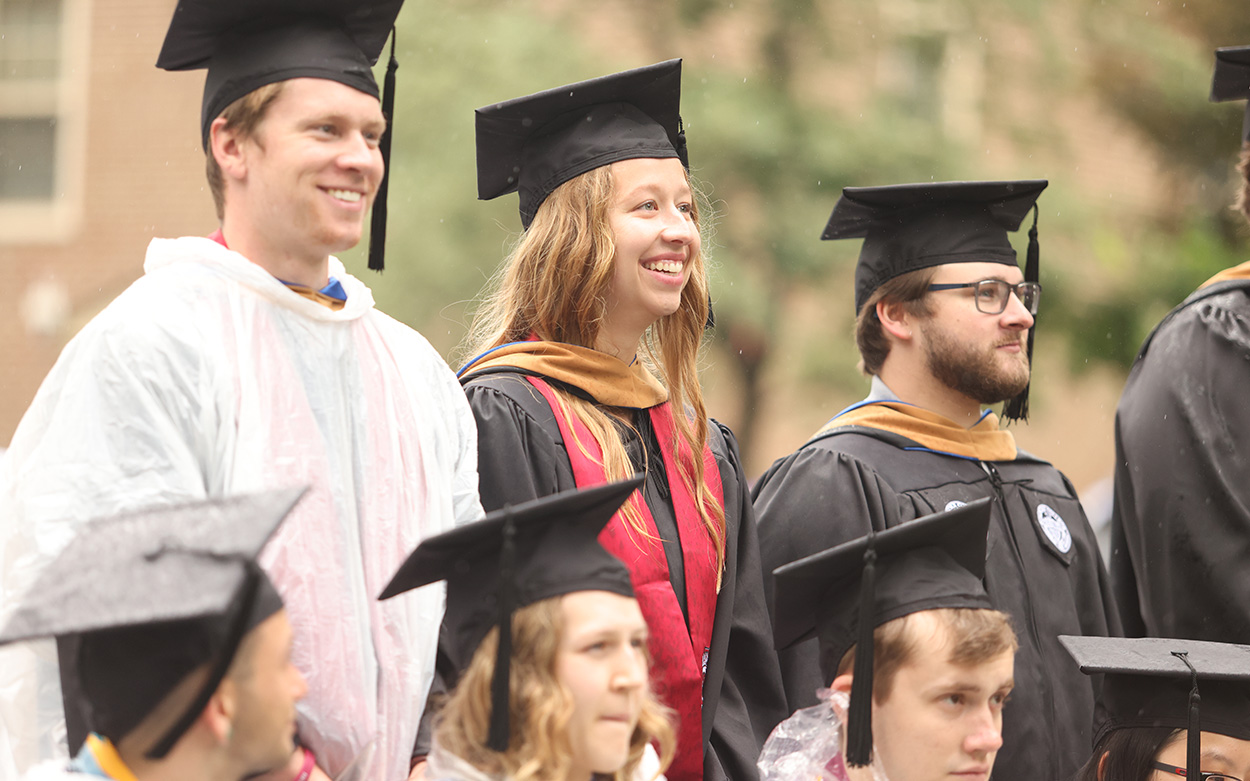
[842,683]
[895,319]
[219,714]
[226,146]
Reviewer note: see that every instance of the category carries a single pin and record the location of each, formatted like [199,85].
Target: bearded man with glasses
[944,328]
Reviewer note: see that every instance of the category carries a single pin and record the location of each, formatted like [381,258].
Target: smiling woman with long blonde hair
[584,370]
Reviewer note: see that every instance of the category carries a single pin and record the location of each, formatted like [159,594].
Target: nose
[300,684]
[678,228]
[1016,315]
[360,154]
[631,671]
[986,736]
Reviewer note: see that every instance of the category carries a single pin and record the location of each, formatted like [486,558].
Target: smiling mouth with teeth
[345,195]
[665,266]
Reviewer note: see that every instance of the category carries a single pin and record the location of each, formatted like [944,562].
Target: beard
[978,372]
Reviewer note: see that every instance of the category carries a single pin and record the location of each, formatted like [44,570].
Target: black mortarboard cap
[1232,80]
[907,227]
[514,557]
[842,594]
[532,145]
[1153,682]
[246,44]
[152,595]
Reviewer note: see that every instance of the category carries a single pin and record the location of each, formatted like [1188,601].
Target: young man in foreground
[184,654]
[920,665]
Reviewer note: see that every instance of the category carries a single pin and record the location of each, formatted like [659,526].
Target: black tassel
[377,223]
[1193,746]
[500,731]
[682,154]
[710,323]
[859,715]
[1017,408]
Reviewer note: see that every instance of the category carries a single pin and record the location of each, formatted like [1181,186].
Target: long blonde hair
[555,284]
[539,707]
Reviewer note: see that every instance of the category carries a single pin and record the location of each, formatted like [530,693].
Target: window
[42,103]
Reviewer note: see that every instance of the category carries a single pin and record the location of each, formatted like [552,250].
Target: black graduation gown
[1181,523]
[851,480]
[521,456]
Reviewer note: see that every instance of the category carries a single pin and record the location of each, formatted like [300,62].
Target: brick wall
[142,176]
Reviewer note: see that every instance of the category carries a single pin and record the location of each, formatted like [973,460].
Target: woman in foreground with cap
[1160,727]
[585,371]
[564,697]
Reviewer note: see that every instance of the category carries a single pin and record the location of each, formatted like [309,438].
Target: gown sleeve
[811,500]
[743,688]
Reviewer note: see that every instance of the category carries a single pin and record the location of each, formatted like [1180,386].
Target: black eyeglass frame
[1033,291]
[1180,771]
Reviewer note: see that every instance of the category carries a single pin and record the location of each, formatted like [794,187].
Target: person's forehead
[976,271]
[316,95]
[935,672]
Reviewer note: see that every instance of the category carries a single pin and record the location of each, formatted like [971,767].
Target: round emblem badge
[1056,530]
[954,504]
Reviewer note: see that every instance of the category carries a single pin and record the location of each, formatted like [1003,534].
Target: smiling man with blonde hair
[250,358]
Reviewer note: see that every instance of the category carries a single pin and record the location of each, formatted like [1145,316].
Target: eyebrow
[339,117]
[653,188]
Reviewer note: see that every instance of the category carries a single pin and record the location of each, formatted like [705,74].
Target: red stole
[678,653]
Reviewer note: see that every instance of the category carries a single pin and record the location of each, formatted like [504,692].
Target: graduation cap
[246,44]
[532,145]
[1153,682]
[153,595]
[1231,80]
[842,594]
[907,227]
[515,557]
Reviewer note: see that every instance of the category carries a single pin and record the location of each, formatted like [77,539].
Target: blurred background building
[785,102]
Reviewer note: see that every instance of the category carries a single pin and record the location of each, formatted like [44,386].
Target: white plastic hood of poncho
[209,377]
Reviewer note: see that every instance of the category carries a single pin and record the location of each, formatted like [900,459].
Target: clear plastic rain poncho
[808,745]
[209,377]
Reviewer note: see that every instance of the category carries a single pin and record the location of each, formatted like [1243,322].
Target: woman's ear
[1102,765]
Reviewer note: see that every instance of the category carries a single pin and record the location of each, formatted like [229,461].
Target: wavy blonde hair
[539,707]
[555,284]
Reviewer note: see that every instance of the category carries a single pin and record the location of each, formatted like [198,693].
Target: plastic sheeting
[208,377]
[808,745]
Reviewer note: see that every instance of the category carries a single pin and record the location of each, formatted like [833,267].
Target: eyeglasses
[1180,771]
[991,295]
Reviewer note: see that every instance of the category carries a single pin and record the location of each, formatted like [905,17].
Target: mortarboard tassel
[238,628]
[500,730]
[682,154]
[859,716]
[1193,747]
[1017,408]
[377,220]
